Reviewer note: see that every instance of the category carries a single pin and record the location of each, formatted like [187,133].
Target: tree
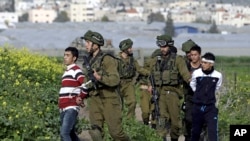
[155,17]
[62,17]
[213,28]
[105,19]
[23,18]
[169,28]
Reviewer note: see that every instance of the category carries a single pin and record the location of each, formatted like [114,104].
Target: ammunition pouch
[170,77]
[157,76]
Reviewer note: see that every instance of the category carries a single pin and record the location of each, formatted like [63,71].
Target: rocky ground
[84,136]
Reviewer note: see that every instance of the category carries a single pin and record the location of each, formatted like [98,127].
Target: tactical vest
[96,63]
[166,72]
[127,69]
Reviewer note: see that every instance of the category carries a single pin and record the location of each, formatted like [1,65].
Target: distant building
[81,12]
[185,29]
[42,15]
[8,17]
[184,16]
[231,15]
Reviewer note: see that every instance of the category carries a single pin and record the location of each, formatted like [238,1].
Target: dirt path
[84,136]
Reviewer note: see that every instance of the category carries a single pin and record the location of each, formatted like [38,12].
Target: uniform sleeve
[182,67]
[111,76]
[193,81]
[140,69]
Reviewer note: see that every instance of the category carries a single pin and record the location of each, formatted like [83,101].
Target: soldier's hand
[96,75]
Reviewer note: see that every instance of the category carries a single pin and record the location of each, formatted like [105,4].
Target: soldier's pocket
[116,103]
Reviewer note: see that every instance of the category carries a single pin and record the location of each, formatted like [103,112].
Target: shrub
[29,91]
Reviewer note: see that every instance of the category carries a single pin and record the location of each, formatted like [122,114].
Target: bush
[30,84]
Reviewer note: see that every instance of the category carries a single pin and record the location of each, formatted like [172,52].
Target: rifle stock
[155,99]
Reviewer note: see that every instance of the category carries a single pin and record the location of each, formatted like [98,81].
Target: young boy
[205,81]
[70,98]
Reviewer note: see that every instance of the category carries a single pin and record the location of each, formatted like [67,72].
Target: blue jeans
[68,121]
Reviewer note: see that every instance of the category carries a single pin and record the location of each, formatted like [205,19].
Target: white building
[234,16]
[81,12]
[42,15]
[9,17]
[183,17]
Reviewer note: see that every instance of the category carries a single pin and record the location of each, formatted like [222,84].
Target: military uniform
[167,71]
[145,97]
[104,101]
[128,71]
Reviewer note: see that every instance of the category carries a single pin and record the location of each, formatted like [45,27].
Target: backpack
[118,60]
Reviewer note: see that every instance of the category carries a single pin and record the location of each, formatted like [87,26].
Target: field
[29,91]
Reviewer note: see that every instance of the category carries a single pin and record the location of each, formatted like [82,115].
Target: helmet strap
[92,50]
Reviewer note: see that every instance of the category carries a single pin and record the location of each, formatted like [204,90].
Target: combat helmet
[125,44]
[186,46]
[94,37]
[164,40]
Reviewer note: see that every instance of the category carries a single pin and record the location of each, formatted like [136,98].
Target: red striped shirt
[71,79]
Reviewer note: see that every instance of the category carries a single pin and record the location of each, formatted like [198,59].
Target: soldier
[128,71]
[167,70]
[186,46]
[192,64]
[104,102]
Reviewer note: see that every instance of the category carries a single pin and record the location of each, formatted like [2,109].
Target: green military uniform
[145,96]
[104,101]
[129,68]
[167,72]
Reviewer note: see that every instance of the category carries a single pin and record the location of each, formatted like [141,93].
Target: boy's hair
[209,56]
[74,51]
[196,48]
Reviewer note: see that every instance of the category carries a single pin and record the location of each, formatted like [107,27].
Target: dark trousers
[188,120]
[208,115]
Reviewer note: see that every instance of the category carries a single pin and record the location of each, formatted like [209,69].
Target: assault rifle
[90,72]
[154,99]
